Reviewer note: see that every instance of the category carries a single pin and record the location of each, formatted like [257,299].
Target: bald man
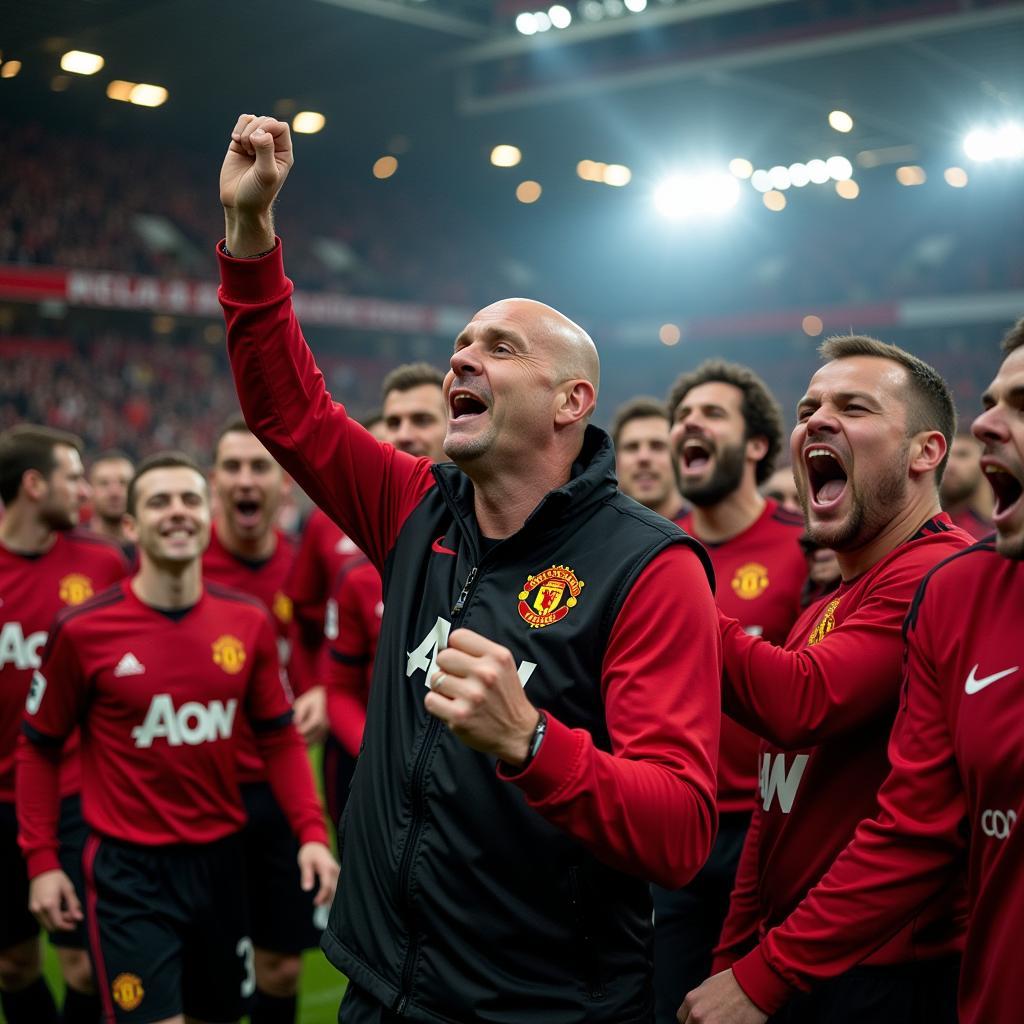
[543,718]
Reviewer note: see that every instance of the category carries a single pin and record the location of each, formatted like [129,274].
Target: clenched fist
[255,166]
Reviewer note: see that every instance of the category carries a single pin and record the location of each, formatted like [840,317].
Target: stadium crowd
[515,636]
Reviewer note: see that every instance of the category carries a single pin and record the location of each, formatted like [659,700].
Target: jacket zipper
[419,769]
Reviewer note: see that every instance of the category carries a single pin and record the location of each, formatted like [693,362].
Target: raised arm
[367,487]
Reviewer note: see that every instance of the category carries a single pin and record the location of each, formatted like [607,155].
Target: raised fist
[256,164]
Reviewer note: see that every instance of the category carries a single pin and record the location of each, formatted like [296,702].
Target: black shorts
[168,930]
[17,925]
[72,833]
[283,918]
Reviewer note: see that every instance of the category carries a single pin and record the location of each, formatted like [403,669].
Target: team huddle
[560,678]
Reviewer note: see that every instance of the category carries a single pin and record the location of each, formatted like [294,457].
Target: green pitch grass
[322,986]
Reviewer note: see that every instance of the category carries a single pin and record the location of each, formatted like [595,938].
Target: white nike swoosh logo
[974,685]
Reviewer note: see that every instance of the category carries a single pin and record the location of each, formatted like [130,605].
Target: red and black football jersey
[974,524]
[159,697]
[33,588]
[352,627]
[265,581]
[760,574]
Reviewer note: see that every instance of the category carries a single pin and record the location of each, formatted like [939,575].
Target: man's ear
[927,450]
[129,527]
[757,448]
[576,403]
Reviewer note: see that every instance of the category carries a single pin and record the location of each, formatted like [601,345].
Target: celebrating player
[871,439]
[45,565]
[247,552]
[726,434]
[643,458]
[531,625]
[955,790]
[108,478]
[157,670]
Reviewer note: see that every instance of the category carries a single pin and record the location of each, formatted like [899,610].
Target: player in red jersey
[726,433]
[643,458]
[964,493]
[870,443]
[45,565]
[109,474]
[354,613]
[954,793]
[247,552]
[158,670]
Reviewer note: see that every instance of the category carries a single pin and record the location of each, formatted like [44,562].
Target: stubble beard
[726,478]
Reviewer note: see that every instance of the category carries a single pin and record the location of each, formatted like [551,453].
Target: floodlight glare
[740,168]
[761,180]
[542,21]
[839,168]
[1003,143]
[818,170]
[799,175]
[636,6]
[81,63]
[560,16]
[526,23]
[592,10]
[779,177]
[682,196]
[840,120]
[506,156]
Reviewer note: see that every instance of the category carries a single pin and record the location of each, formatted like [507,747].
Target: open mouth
[695,454]
[825,475]
[247,512]
[1006,488]
[464,404]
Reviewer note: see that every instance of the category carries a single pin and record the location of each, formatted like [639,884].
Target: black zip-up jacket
[467,893]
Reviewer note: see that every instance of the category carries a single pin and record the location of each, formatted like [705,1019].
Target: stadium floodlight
[526,23]
[78,62]
[614,8]
[761,180]
[840,121]
[839,168]
[1003,143]
[779,177]
[542,21]
[506,156]
[561,17]
[10,68]
[617,175]
[146,95]
[591,10]
[636,6]
[698,195]
[308,122]
[740,168]
[799,175]
[818,170]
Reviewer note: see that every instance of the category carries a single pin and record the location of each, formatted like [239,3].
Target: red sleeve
[279,743]
[742,924]
[347,660]
[55,704]
[304,670]
[805,697]
[368,487]
[895,864]
[648,806]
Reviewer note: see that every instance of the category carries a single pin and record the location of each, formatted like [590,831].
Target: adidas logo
[129,665]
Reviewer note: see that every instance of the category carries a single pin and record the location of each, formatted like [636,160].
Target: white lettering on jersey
[436,640]
[775,780]
[19,650]
[193,723]
[331,619]
[997,824]
[36,690]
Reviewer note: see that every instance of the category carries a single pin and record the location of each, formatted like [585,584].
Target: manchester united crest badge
[547,597]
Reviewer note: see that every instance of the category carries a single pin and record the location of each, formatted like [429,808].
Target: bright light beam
[686,196]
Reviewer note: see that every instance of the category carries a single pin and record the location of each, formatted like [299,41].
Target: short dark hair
[111,455]
[371,418]
[642,407]
[29,446]
[232,425]
[761,412]
[1014,337]
[409,376]
[158,460]
[930,404]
